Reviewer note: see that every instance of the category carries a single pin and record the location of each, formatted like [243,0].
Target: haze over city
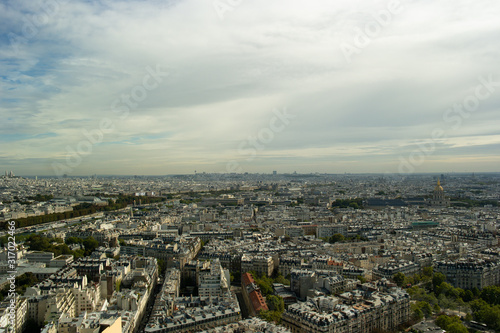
[165,87]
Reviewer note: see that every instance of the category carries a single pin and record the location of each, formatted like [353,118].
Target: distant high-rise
[275,172]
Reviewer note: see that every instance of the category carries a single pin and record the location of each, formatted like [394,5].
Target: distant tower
[438,197]
[254,214]
[275,172]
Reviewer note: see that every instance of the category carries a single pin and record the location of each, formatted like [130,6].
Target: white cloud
[226,77]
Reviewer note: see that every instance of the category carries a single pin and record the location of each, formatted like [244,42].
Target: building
[83,297]
[301,281]
[328,264]
[438,197]
[229,261]
[104,237]
[205,236]
[353,272]
[290,231]
[90,267]
[49,307]
[61,261]
[177,254]
[252,295]
[92,322]
[333,284]
[39,256]
[389,269]
[471,273]
[250,325]
[15,321]
[213,281]
[286,264]
[328,230]
[194,314]
[262,265]
[369,308]
[418,225]
[191,271]
[284,292]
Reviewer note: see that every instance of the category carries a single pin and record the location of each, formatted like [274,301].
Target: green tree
[428,271]
[361,278]
[417,292]
[451,324]
[445,321]
[457,328]
[337,238]
[399,278]
[276,303]
[491,295]
[415,279]
[443,288]
[265,283]
[38,243]
[430,298]
[467,295]
[281,279]
[79,253]
[417,314]
[73,240]
[437,279]
[90,245]
[22,283]
[162,266]
[477,304]
[354,205]
[426,308]
[446,302]
[270,316]
[490,315]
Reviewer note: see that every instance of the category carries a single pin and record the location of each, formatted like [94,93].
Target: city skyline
[276,252]
[170,87]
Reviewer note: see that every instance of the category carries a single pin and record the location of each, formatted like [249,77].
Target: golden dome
[438,187]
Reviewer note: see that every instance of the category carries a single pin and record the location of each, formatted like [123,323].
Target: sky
[177,86]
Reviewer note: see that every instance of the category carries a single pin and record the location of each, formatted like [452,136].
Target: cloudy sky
[174,86]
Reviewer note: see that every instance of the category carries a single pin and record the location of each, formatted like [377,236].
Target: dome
[438,187]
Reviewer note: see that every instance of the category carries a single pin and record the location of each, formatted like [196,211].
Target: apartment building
[470,273]
[373,309]
[262,265]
